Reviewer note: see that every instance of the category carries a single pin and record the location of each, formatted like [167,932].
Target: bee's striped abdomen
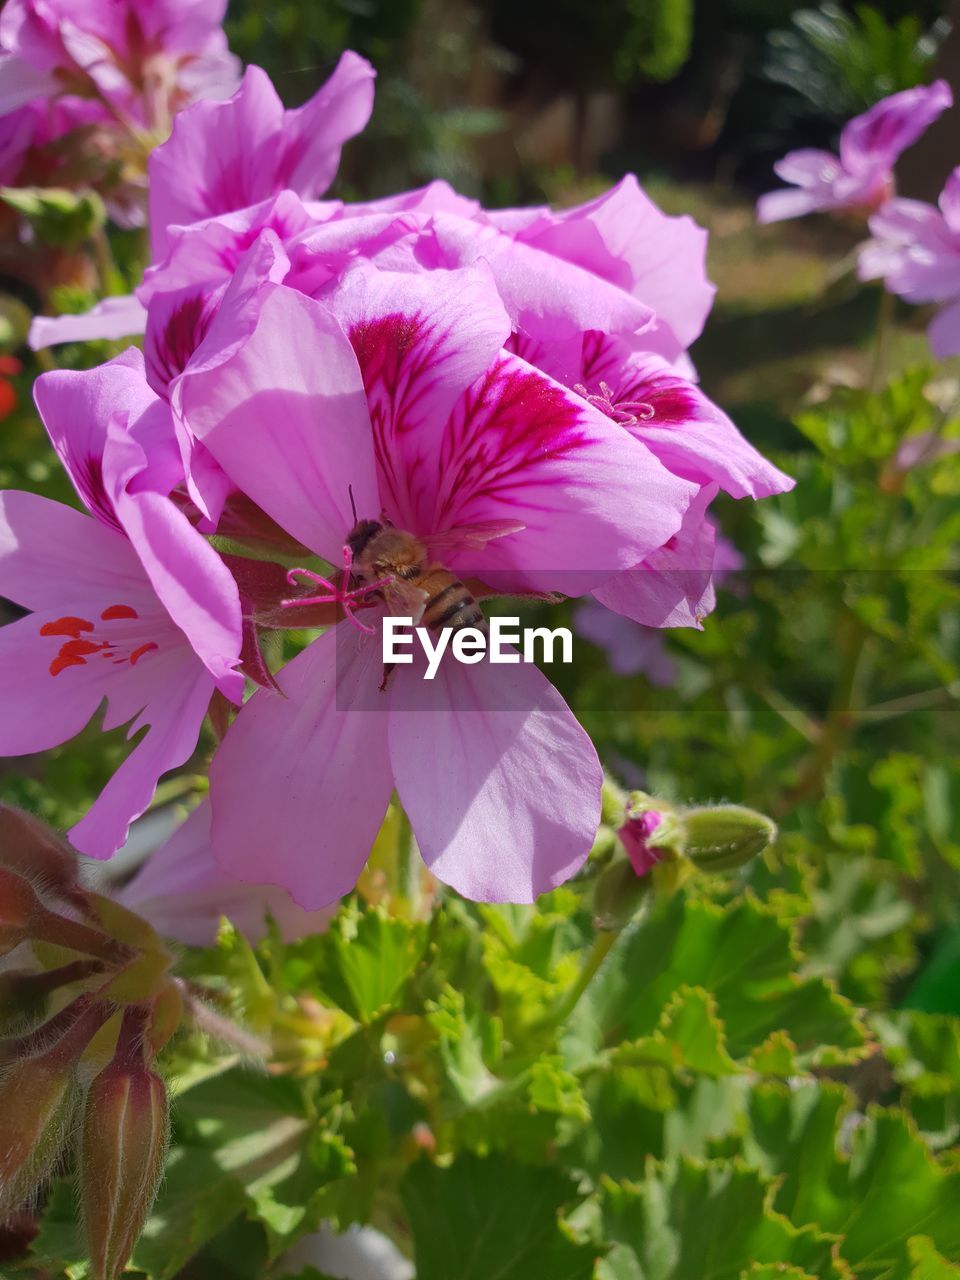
[449,603]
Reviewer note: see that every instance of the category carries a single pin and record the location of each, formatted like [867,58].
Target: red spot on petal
[118,611]
[79,649]
[61,663]
[66,627]
[138,653]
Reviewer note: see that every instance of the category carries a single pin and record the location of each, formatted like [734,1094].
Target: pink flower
[396,392]
[915,250]
[128,605]
[623,238]
[141,60]
[577,289]
[224,157]
[635,834]
[860,179]
[184,894]
[631,649]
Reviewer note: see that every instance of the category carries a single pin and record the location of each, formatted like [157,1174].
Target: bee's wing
[470,537]
[404,599]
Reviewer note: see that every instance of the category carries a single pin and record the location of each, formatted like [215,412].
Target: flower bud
[721,837]
[37,1098]
[642,820]
[618,895]
[18,908]
[122,1151]
[30,848]
[23,992]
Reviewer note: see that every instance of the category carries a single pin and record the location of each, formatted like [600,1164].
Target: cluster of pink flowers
[109,73]
[914,247]
[512,388]
[860,180]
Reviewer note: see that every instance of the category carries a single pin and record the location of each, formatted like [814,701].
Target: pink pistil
[626,412]
[336,594]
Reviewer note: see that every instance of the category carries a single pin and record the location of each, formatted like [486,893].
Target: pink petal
[301,782]
[549,299]
[673,587]
[207,254]
[500,782]
[113,319]
[665,255]
[778,206]
[685,430]
[881,134]
[420,341]
[190,579]
[944,332]
[217,158]
[520,447]
[177,324]
[314,133]
[180,695]
[184,894]
[950,202]
[76,408]
[20,83]
[49,551]
[277,398]
[226,156]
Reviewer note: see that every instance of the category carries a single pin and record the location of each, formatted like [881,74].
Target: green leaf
[60,217]
[364,960]
[708,1220]
[249,1144]
[308,1273]
[743,955]
[927,1263]
[775,1271]
[888,1189]
[486,1218]
[465,1037]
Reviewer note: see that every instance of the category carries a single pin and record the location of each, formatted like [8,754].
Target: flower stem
[885,314]
[592,962]
[408,863]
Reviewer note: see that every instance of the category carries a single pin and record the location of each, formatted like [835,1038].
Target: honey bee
[413,584]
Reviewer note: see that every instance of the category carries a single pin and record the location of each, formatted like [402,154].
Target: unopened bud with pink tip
[714,837]
[122,1150]
[640,822]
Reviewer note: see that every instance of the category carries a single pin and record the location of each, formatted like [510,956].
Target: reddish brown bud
[122,1152]
[37,1099]
[32,849]
[23,992]
[18,907]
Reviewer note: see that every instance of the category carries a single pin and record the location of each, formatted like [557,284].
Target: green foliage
[484,1217]
[842,63]
[58,216]
[581,43]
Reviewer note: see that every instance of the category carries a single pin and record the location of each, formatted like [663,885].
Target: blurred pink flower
[140,60]
[184,893]
[631,649]
[915,250]
[860,179]
[227,156]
